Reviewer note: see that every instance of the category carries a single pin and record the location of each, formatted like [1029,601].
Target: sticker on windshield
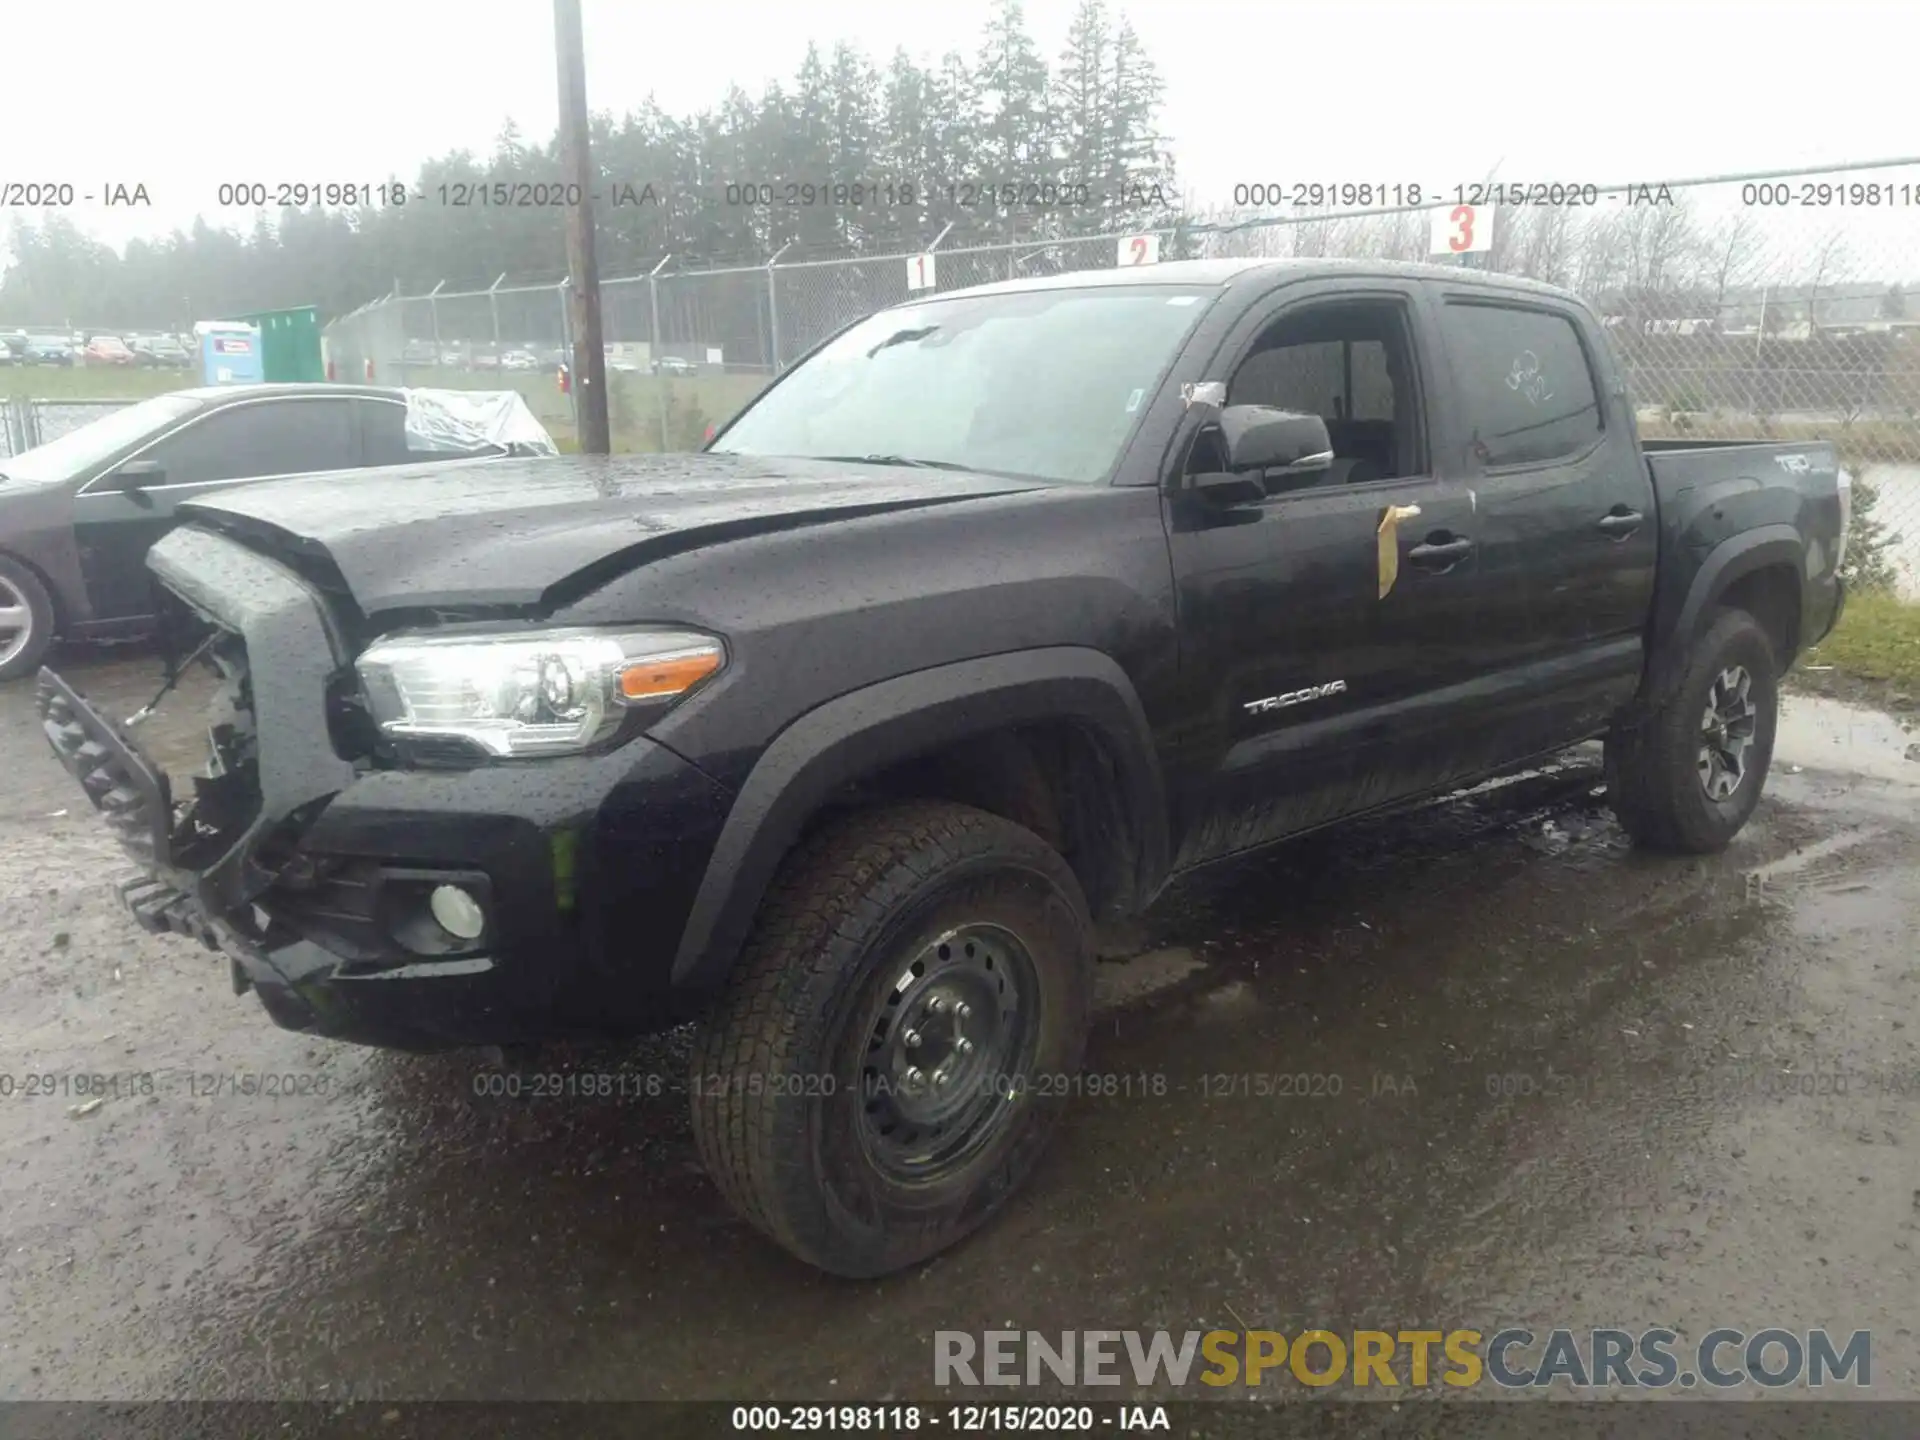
[1133,400]
[1206,392]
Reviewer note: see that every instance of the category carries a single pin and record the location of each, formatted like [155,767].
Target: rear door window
[1524,383]
[384,423]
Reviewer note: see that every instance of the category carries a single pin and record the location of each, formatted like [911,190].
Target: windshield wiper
[904,460]
[902,337]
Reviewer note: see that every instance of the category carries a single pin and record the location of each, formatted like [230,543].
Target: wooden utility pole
[589,354]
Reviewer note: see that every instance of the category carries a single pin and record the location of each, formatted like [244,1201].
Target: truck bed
[1731,505]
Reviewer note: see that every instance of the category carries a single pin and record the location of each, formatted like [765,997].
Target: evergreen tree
[1082,105]
[853,88]
[905,153]
[939,127]
[1139,180]
[1015,136]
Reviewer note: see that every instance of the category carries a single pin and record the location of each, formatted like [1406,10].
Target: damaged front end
[206,858]
[167,837]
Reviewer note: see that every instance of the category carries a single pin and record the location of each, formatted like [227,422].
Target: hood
[510,533]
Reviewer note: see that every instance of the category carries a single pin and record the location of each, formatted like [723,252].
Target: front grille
[226,795]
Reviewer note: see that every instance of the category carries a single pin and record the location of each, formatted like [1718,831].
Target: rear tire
[1685,776]
[887,941]
[22,593]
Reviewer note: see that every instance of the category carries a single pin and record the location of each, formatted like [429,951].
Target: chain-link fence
[1778,305]
[1783,306]
[26,423]
[686,348]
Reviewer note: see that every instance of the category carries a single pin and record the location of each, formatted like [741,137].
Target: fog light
[458,912]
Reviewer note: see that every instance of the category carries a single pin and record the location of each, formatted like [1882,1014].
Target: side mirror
[138,475]
[1261,438]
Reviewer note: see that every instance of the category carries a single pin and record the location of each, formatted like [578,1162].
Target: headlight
[547,692]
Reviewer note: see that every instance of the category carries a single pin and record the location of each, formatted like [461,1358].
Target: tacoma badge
[1294,697]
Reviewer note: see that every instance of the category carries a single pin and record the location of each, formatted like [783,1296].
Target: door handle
[1441,554]
[1621,523]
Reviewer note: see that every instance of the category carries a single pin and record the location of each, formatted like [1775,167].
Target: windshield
[80,449]
[1038,384]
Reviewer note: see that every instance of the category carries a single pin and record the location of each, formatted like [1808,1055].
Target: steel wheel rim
[946,1052]
[1727,728]
[16,621]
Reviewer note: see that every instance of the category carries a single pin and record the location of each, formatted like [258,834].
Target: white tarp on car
[461,421]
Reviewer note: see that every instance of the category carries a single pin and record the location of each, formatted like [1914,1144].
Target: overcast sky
[181,96]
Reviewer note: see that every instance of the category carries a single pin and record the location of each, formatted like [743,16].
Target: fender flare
[881,724]
[1728,562]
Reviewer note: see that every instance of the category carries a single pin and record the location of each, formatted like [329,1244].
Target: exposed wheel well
[1771,595]
[1057,779]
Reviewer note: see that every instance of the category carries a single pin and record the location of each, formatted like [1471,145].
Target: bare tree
[1830,264]
[1224,234]
[1542,244]
[1660,242]
[1733,252]
[1600,264]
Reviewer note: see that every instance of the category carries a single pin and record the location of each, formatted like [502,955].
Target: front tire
[26,619]
[1685,776]
[864,1093]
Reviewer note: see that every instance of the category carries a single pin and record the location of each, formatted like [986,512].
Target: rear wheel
[1685,776]
[863,1093]
[26,619]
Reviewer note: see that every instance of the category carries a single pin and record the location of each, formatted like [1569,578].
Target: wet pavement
[1535,1078]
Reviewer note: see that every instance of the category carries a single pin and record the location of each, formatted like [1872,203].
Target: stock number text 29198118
[299,194]
[1858,193]
[1333,192]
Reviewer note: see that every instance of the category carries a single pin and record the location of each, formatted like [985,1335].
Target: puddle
[1824,734]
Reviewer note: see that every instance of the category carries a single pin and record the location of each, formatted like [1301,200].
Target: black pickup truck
[994,613]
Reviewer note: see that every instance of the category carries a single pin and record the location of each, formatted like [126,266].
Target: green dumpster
[289,344]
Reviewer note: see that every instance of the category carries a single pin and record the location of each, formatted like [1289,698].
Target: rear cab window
[1524,382]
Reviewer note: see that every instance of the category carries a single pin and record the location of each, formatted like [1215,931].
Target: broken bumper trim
[129,791]
[160,909]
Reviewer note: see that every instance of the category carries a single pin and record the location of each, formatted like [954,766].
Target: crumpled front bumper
[133,796]
[291,895]
[275,613]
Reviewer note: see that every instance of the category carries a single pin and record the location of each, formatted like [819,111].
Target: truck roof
[1226,272]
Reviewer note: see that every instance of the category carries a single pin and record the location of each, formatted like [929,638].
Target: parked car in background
[485,360]
[452,357]
[78,513]
[109,350]
[519,360]
[161,352]
[417,352]
[13,347]
[48,350]
[674,365]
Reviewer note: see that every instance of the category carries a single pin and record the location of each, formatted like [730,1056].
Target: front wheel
[887,1063]
[26,619]
[1686,775]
